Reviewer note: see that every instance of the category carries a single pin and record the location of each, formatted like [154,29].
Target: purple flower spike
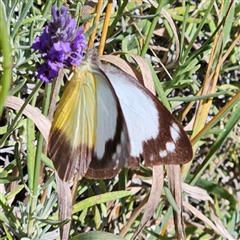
[60,45]
[46,73]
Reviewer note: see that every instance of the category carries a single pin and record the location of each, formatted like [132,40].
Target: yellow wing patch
[76,113]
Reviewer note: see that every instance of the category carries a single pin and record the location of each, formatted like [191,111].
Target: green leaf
[97,236]
[171,199]
[106,197]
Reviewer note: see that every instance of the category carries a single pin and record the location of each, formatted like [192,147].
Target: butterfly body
[106,119]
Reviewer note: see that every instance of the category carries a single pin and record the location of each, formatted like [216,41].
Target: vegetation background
[193,50]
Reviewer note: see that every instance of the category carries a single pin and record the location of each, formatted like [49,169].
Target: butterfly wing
[112,148]
[72,135]
[153,131]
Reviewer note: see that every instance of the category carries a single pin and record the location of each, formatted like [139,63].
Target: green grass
[193,55]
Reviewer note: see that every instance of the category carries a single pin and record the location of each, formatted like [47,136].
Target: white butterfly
[106,120]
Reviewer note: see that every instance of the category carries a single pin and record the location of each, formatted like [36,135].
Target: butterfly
[107,120]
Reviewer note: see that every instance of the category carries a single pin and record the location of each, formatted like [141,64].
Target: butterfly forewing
[153,131]
[112,148]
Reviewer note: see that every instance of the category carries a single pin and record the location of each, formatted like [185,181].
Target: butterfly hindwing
[72,135]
